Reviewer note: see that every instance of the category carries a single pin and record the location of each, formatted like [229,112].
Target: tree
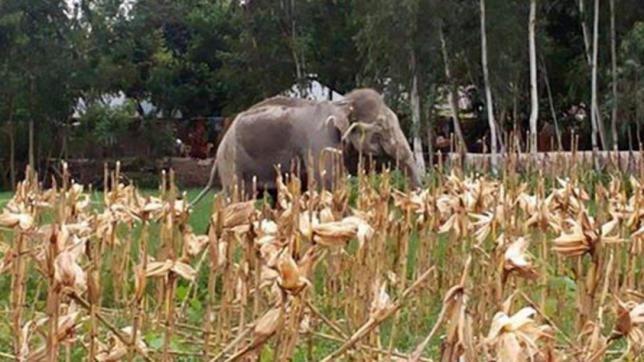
[256,60]
[597,124]
[417,147]
[452,94]
[12,82]
[630,76]
[534,96]
[488,92]
[402,81]
[597,128]
[334,56]
[39,60]
[613,61]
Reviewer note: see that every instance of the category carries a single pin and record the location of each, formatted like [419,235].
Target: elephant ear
[342,122]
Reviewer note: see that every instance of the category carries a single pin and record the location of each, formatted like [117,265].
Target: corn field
[471,268]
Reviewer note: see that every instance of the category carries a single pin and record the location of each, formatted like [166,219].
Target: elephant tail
[211,181]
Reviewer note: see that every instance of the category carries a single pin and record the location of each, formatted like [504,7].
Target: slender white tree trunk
[32,153]
[613,58]
[452,92]
[534,97]
[298,57]
[12,154]
[415,117]
[553,113]
[427,110]
[32,156]
[584,31]
[488,92]
[593,81]
[597,123]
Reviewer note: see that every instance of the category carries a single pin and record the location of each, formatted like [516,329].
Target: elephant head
[372,128]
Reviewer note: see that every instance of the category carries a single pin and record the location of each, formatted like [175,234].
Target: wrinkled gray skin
[280,130]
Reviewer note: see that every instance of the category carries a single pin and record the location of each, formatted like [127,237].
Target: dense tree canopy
[216,57]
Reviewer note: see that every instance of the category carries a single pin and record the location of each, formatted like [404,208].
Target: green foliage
[107,123]
[632,72]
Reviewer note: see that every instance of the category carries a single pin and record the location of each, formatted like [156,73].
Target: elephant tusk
[346,133]
[330,119]
[332,150]
[362,125]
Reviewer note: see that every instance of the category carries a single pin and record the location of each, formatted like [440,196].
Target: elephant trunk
[402,151]
[412,170]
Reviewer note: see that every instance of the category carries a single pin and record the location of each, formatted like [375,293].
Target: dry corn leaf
[238,214]
[194,244]
[483,225]
[16,219]
[336,233]
[68,273]
[630,318]
[572,244]
[514,338]
[116,350]
[162,268]
[364,233]
[268,323]
[381,303]
[516,259]
[290,277]
[306,224]
[266,227]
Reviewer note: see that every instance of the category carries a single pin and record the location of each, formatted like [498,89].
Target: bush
[107,123]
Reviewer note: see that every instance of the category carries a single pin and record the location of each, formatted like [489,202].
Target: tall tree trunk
[499,136]
[534,97]
[12,153]
[597,123]
[11,133]
[630,138]
[430,129]
[488,91]
[430,142]
[516,136]
[599,126]
[298,59]
[415,116]
[553,113]
[613,61]
[32,155]
[584,31]
[453,91]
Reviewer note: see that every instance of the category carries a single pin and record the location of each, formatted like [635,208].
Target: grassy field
[4,197]
[198,220]
[463,269]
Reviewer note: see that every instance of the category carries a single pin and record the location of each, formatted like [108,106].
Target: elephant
[280,130]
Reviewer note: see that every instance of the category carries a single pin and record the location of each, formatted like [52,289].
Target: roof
[313,90]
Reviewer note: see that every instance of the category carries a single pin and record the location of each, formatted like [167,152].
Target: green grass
[4,197]
[198,219]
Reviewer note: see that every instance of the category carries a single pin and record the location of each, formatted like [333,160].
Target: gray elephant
[279,130]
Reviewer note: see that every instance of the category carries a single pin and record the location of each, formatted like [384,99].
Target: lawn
[4,197]
[198,219]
